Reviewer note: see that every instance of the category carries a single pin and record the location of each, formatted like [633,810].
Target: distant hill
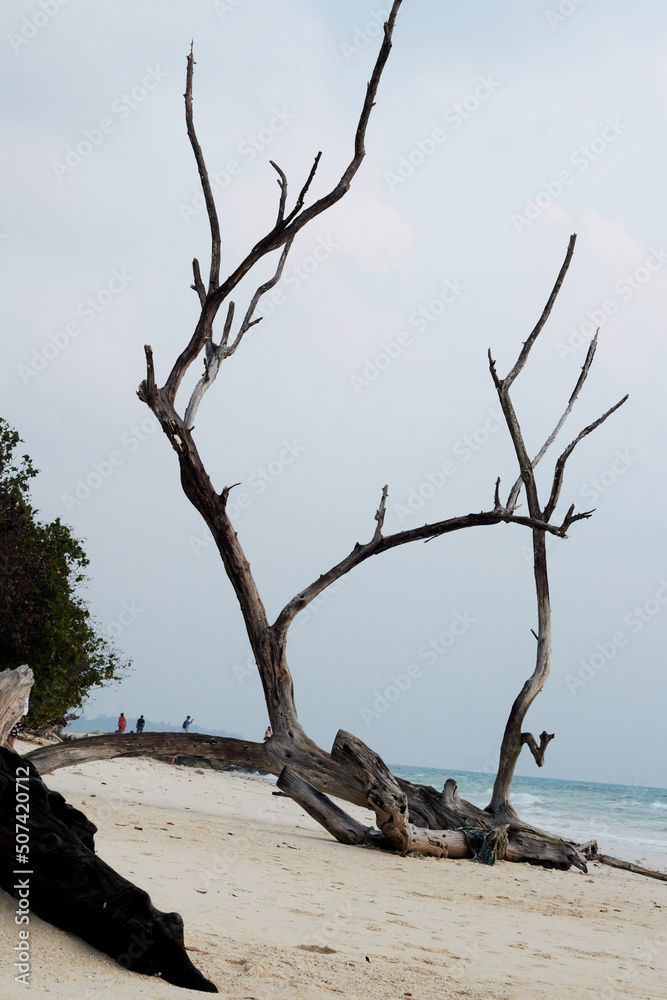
[108,724]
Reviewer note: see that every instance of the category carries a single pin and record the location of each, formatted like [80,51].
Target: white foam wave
[525,799]
[658,805]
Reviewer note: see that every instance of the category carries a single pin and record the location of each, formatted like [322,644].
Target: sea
[627,821]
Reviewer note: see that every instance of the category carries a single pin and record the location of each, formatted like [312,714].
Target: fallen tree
[410,817]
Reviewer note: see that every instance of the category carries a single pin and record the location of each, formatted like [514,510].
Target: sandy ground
[274,909]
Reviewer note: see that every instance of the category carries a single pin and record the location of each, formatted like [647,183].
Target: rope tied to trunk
[487,846]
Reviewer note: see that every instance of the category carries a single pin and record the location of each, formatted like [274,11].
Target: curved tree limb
[560,464]
[284,229]
[382,543]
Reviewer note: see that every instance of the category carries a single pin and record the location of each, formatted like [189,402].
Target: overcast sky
[499,130]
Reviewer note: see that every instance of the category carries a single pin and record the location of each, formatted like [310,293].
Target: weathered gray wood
[513,737]
[390,803]
[627,866]
[15,687]
[343,827]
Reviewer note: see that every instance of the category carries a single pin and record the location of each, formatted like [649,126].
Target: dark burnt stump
[72,888]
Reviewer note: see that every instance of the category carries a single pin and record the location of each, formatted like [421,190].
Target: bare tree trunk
[513,738]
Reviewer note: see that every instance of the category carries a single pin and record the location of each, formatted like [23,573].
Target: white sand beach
[274,909]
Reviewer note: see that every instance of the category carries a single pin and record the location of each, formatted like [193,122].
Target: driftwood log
[343,776]
[15,687]
[61,879]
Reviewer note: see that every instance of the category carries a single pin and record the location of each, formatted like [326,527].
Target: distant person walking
[268,734]
[141,722]
[188,722]
[122,722]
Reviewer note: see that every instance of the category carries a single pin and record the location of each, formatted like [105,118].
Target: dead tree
[410,817]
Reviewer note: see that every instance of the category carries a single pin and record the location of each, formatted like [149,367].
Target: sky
[499,130]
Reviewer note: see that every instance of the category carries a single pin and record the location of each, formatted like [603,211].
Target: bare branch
[282,181]
[248,321]
[147,389]
[382,543]
[228,325]
[380,513]
[503,386]
[199,284]
[525,350]
[281,233]
[496,496]
[224,496]
[304,190]
[538,752]
[214,275]
[560,464]
[514,493]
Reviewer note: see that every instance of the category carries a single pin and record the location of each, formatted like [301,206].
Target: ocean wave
[658,805]
[525,799]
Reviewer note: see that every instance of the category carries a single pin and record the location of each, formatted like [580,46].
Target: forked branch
[538,751]
[284,230]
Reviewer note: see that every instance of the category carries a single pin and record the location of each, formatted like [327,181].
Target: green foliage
[44,622]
